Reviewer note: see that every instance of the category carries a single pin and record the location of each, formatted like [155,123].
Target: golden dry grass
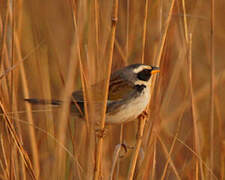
[50,48]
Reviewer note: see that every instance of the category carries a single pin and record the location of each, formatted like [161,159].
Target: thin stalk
[164,34]
[137,148]
[160,18]
[12,4]
[222,160]
[185,21]
[4,159]
[121,141]
[193,105]
[97,31]
[218,112]
[150,149]
[194,112]
[116,157]
[154,160]
[144,32]
[127,30]
[98,154]
[212,89]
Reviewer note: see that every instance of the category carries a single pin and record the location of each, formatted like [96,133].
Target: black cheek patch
[144,75]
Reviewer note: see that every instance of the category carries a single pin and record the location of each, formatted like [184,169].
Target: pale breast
[130,109]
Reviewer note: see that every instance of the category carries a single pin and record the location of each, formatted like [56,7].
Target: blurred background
[50,48]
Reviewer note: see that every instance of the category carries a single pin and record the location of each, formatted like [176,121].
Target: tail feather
[44,101]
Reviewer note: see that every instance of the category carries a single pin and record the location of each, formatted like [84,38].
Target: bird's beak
[155,70]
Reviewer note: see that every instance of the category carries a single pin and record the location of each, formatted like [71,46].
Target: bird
[129,93]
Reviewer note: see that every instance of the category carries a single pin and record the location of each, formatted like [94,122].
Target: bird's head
[140,74]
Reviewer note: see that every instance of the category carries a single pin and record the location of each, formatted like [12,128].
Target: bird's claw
[125,148]
[143,115]
[101,133]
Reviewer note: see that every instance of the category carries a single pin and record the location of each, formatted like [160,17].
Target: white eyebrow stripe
[140,68]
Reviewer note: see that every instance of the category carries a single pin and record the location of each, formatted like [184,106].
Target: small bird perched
[129,94]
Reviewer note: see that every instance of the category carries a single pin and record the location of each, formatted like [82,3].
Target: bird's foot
[143,115]
[101,133]
[125,149]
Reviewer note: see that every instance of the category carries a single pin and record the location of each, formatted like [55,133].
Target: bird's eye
[144,75]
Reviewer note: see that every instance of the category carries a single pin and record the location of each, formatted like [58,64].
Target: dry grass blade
[52,137]
[194,112]
[168,157]
[199,158]
[21,61]
[6,168]
[172,148]
[18,144]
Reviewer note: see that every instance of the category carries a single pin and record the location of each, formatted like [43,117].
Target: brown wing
[119,88]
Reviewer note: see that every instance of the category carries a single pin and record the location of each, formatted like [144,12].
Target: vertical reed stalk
[185,21]
[162,43]
[222,169]
[144,32]
[102,124]
[127,30]
[134,157]
[97,31]
[212,88]
[154,160]
[194,112]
